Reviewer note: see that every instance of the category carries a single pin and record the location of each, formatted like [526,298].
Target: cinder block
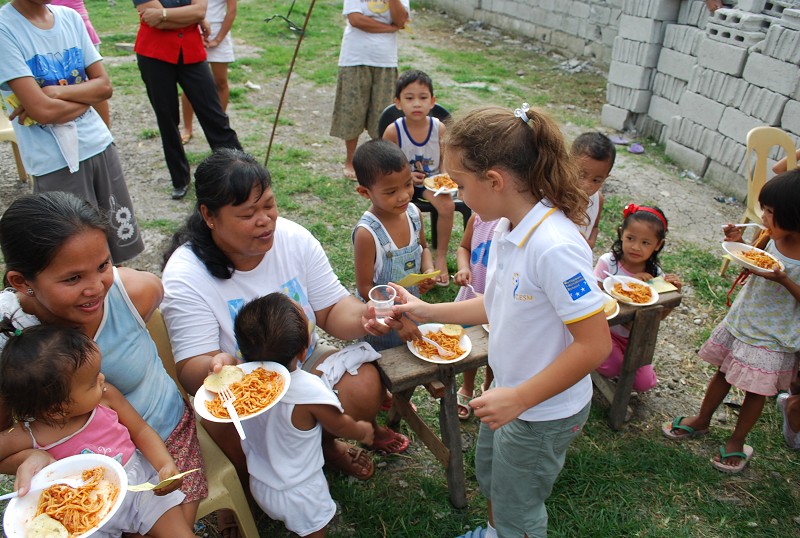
[615,118]
[775,8]
[730,153]
[662,109]
[641,29]
[650,128]
[790,119]
[725,89]
[637,101]
[686,132]
[741,20]
[752,6]
[702,110]
[791,18]
[726,180]
[670,88]
[694,13]
[599,14]
[676,64]
[630,76]
[778,76]
[710,142]
[682,38]
[733,36]
[628,51]
[736,124]
[721,57]
[763,104]
[580,10]
[661,10]
[687,157]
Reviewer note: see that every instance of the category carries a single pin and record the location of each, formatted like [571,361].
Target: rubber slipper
[185,137]
[744,455]
[348,464]
[636,148]
[442,284]
[669,428]
[619,140]
[349,174]
[393,443]
[463,403]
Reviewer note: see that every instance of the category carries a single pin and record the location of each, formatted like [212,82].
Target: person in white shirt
[545,309]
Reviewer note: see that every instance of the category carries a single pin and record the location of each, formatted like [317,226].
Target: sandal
[744,458]
[351,463]
[349,173]
[464,410]
[391,443]
[185,137]
[226,524]
[669,429]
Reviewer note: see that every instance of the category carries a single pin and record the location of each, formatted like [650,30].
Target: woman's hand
[152,16]
[372,325]
[219,360]
[407,304]
[498,406]
[165,472]
[35,462]
[674,279]
[732,233]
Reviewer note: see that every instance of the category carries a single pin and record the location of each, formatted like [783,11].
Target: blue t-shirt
[58,55]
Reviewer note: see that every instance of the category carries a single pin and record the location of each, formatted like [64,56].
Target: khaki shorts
[517,466]
[362,92]
[320,351]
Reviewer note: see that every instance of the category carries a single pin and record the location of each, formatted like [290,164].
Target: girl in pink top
[51,382]
[472,257]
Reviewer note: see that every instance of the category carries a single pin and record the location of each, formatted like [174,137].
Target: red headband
[630,209]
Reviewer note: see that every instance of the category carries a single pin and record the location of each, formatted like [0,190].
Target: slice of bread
[227,375]
[450,329]
[44,526]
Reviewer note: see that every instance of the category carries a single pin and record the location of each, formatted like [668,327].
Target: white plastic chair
[761,140]
[7,135]
[224,489]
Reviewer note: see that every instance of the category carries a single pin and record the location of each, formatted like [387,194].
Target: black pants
[161,80]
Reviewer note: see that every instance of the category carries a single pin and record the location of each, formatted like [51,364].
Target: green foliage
[149,134]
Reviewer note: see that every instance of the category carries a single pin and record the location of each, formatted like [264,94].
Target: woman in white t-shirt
[234,248]
[367,70]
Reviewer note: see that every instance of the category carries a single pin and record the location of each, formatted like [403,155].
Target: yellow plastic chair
[761,140]
[7,135]
[224,489]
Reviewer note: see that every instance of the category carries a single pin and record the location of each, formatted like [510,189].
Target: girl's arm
[364,254]
[592,239]
[144,289]
[781,166]
[464,275]
[227,24]
[144,437]
[341,424]
[152,14]
[590,347]
[469,312]
[426,264]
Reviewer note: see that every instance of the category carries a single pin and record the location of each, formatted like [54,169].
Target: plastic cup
[382,299]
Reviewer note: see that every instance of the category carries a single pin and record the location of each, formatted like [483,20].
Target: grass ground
[627,483]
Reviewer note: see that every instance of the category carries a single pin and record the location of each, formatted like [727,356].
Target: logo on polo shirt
[519,296]
[576,286]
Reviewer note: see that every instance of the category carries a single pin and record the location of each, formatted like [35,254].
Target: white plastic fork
[228,398]
[618,280]
[71,482]
[443,353]
[747,225]
[439,191]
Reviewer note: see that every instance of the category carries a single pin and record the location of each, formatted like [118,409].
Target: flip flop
[349,174]
[463,403]
[394,443]
[347,463]
[636,148]
[440,283]
[185,137]
[744,455]
[619,140]
[668,429]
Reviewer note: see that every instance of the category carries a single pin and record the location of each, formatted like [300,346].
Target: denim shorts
[517,466]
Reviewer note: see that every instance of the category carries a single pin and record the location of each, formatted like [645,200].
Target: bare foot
[349,173]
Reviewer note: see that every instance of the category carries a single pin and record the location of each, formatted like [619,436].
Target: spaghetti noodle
[253,393]
[759,259]
[79,509]
[450,343]
[638,293]
[442,180]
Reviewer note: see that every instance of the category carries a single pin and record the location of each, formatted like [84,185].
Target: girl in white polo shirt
[546,312]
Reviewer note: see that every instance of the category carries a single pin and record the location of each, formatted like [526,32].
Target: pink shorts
[645,376]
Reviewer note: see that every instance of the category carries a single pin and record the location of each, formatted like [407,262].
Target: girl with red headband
[640,238]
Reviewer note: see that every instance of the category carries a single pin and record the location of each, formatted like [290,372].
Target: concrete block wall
[695,81]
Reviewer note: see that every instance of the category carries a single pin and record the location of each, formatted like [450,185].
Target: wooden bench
[402,372]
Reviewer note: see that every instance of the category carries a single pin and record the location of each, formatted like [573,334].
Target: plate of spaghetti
[461,345]
[78,512]
[263,386]
[434,183]
[752,258]
[640,294]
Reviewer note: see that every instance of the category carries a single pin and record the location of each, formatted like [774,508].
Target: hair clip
[522,112]
[17,332]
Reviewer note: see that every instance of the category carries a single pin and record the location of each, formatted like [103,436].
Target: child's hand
[463,277]
[165,472]
[673,279]
[409,330]
[405,303]
[35,462]
[418,177]
[732,233]
[644,277]
[498,406]
[426,285]
[369,432]
[776,276]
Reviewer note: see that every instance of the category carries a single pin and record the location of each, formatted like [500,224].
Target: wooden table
[402,372]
